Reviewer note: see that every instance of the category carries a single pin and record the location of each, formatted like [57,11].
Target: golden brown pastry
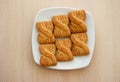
[77,23]
[47,55]
[81,14]
[64,50]
[61,26]
[79,46]
[45,32]
[80,36]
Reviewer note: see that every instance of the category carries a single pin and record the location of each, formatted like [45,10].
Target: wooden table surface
[16,60]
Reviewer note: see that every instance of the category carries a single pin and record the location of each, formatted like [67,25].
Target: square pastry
[61,26]
[77,23]
[79,46]
[64,50]
[45,34]
[47,54]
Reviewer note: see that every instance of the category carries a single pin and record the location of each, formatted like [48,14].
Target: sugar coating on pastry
[45,34]
[77,23]
[47,55]
[64,50]
[79,46]
[61,26]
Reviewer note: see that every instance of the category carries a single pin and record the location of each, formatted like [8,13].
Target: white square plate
[78,61]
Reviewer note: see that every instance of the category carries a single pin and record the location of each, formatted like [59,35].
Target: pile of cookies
[62,38]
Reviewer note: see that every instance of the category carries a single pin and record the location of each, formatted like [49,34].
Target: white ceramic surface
[79,61]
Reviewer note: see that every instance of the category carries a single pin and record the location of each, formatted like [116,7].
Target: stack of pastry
[62,38]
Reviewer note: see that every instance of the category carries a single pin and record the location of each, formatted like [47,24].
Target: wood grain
[16,61]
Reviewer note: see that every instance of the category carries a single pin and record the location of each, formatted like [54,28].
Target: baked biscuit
[79,46]
[61,26]
[47,55]
[77,23]
[80,36]
[64,50]
[81,14]
[45,34]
